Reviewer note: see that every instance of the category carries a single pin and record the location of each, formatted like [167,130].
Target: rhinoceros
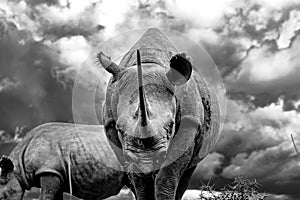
[160,115]
[54,154]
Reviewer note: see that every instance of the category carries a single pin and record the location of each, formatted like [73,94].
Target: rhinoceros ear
[180,69]
[108,65]
[6,166]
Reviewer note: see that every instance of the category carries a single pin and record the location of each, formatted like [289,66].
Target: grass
[239,189]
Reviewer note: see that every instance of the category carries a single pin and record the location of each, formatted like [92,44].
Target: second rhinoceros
[53,155]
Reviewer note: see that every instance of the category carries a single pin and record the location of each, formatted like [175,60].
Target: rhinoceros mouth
[144,161]
[141,150]
[149,144]
[142,167]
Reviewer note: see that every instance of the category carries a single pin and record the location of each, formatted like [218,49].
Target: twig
[298,157]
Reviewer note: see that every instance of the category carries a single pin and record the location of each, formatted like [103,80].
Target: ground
[123,195]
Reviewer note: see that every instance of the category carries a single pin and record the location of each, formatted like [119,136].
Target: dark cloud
[232,41]
[256,144]
[37,76]
[30,95]
[38,2]
[267,164]
[34,3]
[234,142]
[226,54]
[251,70]
[84,24]
[209,166]
[56,31]
[268,73]
[276,168]
[255,21]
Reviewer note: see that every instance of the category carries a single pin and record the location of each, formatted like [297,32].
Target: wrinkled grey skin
[42,159]
[181,126]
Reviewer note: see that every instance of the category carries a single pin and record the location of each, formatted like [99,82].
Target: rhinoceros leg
[130,186]
[50,187]
[184,182]
[168,178]
[143,187]
[179,155]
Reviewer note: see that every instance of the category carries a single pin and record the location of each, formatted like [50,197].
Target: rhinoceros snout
[145,162]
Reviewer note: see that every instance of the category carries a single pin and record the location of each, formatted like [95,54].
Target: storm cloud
[29,93]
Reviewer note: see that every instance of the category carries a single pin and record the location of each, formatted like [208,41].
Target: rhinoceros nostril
[127,158]
[136,114]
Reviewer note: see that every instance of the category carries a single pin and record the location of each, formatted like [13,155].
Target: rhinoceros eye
[120,130]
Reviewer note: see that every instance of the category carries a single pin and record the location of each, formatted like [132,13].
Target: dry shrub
[240,189]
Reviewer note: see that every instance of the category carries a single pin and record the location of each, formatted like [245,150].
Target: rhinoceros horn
[143,104]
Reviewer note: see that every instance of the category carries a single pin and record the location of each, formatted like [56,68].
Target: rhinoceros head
[10,188]
[146,107]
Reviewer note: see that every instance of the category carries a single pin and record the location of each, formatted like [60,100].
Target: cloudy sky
[255,44]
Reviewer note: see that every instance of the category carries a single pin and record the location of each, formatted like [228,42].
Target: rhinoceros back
[154,47]
[50,147]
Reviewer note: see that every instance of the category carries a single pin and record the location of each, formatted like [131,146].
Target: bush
[240,189]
